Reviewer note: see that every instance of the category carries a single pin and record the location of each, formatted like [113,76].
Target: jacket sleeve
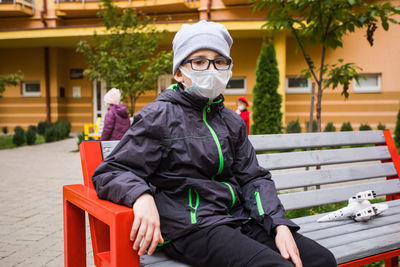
[259,192]
[109,122]
[123,176]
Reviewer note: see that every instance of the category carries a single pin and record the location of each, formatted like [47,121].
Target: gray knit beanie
[202,35]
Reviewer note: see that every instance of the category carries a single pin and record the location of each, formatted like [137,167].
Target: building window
[368,83]
[31,88]
[297,85]
[236,86]
[164,81]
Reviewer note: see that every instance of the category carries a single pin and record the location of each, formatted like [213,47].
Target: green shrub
[19,136]
[5,130]
[63,129]
[314,126]
[81,137]
[346,127]
[397,131]
[293,127]
[59,129]
[32,128]
[31,135]
[68,128]
[42,125]
[50,134]
[365,127]
[330,127]
[381,126]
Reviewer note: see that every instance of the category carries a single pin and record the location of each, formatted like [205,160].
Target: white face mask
[241,108]
[207,83]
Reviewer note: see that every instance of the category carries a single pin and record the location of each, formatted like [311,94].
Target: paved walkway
[31,220]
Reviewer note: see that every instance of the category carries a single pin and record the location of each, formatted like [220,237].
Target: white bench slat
[286,160]
[312,140]
[107,147]
[365,248]
[359,235]
[335,175]
[159,259]
[298,200]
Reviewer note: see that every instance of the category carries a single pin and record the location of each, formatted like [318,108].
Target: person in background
[117,120]
[242,105]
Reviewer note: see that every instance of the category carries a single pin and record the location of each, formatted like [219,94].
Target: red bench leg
[392,262]
[74,236]
[121,246]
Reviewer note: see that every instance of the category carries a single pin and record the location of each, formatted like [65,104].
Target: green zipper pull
[208,106]
[193,209]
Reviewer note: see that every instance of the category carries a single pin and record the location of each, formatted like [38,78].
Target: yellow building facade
[39,38]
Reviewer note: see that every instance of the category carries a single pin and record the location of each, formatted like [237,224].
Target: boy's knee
[268,258]
[326,258]
[330,258]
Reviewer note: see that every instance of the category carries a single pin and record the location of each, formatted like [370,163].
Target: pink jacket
[116,123]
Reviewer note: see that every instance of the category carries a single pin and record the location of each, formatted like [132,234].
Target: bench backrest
[344,157]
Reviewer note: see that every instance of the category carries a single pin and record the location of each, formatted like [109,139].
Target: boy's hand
[146,225]
[287,246]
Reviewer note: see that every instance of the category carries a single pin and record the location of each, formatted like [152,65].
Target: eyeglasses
[204,63]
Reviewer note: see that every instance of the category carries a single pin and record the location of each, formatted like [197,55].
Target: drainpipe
[208,9]
[47,83]
[44,12]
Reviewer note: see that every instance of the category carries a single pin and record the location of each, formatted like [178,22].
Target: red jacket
[246,117]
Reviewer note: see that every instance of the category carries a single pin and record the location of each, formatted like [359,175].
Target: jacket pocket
[259,203]
[232,194]
[193,205]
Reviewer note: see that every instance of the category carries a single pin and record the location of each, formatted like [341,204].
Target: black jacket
[195,158]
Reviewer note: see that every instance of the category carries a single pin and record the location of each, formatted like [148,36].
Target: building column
[280,49]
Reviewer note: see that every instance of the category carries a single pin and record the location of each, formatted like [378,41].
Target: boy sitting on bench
[187,168]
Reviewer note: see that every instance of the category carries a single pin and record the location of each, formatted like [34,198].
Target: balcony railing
[17,7]
[190,2]
[89,8]
[30,3]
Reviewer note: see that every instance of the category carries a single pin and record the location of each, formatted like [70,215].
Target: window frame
[297,90]
[368,89]
[24,93]
[237,91]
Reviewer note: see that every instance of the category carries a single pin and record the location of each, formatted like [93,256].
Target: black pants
[245,245]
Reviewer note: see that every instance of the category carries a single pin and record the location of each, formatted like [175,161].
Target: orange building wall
[16,109]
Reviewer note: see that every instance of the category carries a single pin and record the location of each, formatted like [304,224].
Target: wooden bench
[348,168]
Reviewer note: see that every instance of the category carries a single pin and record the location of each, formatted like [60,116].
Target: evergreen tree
[267,115]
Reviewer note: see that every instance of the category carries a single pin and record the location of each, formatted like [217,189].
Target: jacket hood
[121,110]
[177,95]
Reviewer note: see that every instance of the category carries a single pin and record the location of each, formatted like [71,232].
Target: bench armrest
[115,221]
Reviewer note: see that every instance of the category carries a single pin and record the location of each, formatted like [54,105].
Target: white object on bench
[359,209]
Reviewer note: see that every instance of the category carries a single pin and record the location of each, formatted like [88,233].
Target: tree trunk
[319,99]
[310,124]
[320,84]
